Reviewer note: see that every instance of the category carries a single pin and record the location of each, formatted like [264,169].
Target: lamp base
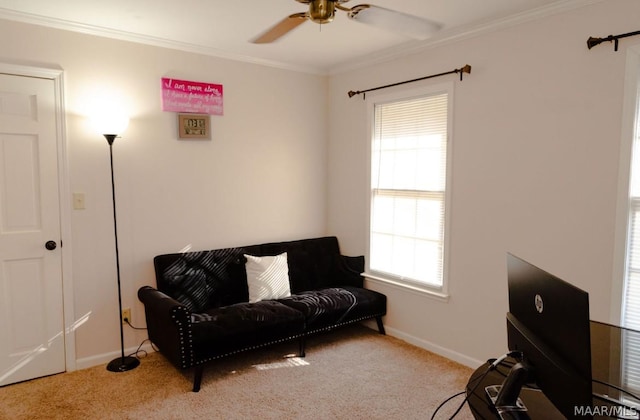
[123,364]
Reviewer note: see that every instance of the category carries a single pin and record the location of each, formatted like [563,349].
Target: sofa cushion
[337,305]
[209,279]
[313,263]
[204,279]
[267,277]
[230,328]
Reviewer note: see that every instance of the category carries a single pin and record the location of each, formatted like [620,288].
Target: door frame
[57,76]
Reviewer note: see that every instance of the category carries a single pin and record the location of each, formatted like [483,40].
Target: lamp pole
[122,363]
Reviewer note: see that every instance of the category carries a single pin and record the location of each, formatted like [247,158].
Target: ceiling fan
[323,11]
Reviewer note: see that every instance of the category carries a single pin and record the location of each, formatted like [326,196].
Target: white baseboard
[104,358]
[432,347]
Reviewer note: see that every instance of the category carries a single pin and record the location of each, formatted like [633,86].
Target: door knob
[51,245]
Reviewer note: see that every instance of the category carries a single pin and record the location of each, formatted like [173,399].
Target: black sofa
[201,311]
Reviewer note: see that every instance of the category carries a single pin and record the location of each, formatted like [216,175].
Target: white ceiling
[225,28]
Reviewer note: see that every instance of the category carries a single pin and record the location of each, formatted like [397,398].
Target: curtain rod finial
[352,93]
[592,42]
[463,70]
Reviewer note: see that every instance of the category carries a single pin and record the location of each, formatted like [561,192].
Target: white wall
[535,164]
[261,178]
[536,148]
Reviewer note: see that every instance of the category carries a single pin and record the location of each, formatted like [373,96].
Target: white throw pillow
[267,277]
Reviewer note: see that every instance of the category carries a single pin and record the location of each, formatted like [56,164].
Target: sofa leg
[302,346]
[380,326]
[197,378]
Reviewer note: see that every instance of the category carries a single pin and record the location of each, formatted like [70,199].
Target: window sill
[423,291]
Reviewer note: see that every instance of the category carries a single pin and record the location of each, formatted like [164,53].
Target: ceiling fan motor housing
[322,11]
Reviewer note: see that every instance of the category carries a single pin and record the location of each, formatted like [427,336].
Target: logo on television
[539,304]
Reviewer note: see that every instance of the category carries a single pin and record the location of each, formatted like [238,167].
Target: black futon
[205,305]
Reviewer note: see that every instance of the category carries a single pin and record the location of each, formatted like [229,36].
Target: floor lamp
[122,363]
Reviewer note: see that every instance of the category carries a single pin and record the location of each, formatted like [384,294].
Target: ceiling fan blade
[402,23]
[281,28]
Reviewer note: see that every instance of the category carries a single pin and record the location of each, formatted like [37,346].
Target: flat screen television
[548,322]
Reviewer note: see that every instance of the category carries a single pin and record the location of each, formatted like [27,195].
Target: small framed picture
[194,126]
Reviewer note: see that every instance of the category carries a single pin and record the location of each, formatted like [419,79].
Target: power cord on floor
[139,352]
[478,381]
[446,401]
[493,364]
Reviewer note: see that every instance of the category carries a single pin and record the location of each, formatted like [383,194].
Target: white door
[31,312]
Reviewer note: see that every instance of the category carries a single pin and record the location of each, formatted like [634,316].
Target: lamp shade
[110,122]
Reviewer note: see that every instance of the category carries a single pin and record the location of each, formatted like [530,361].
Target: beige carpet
[353,373]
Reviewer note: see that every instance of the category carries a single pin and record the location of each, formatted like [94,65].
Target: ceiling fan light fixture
[409,25]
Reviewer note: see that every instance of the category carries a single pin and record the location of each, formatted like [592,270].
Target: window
[407,230]
[630,305]
[631,298]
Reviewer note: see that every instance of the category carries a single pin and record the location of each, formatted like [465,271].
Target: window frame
[631,99]
[625,207]
[437,292]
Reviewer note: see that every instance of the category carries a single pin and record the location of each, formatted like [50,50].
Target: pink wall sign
[186,96]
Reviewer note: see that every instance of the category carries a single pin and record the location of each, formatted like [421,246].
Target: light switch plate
[78,201]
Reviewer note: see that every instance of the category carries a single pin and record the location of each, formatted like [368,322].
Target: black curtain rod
[592,41]
[462,70]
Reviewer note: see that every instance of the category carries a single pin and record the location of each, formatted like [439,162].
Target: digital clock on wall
[194,126]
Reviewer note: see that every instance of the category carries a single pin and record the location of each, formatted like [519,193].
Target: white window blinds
[408,182]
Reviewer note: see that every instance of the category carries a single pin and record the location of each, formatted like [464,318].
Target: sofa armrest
[351,268]
[168,325]
[355,264]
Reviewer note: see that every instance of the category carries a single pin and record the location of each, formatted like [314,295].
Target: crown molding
[458,34]
[66,25]
[411,48]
